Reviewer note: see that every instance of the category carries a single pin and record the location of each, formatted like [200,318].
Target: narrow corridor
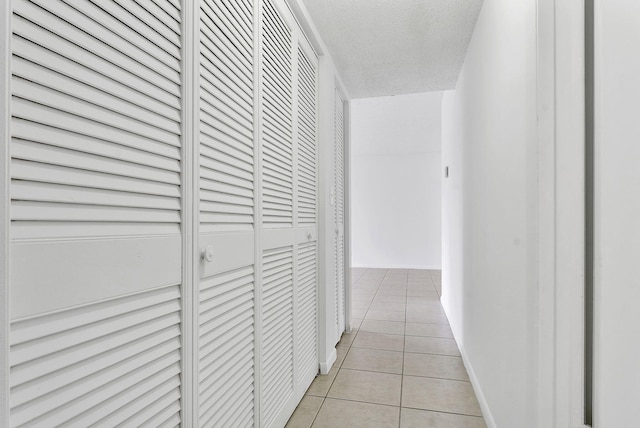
[399,367]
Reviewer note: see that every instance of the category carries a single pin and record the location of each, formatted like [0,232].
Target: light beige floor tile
[370,387]
[341,352]
[450,396]
[384,315]
[347,338]
[418,291]
[374,360]
[419,282]
[433,306]
[389,342]
[423,299]
[361,299]
[321,384]
[398,307]
[392,291]
[427,317]
[360,305]
[305,413]
[430,330]
[413,418]
[394,283]
[367,288]
[351,414]
[389,298]
[358,313]
[425,308]
[387,327]
[440,366]
[431,345]
[419,278]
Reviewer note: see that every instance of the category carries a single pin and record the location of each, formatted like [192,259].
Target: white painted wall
[396,181]
[489,212]
[617,214]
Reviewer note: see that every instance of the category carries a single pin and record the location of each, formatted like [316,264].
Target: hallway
[399,367]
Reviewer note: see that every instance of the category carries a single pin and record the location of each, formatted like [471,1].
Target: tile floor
[399,367]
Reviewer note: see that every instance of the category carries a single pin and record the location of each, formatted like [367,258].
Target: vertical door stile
[257,137]
[5,238]
[296,195]
[190,218]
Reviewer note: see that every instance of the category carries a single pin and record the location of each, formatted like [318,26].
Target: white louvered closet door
[95,213]
[288,230]
[339,215]
[306,290]
[227,303]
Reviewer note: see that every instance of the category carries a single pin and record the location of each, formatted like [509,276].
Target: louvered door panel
[227,349]
[226,113]
[227,214]
[108,363]
[277,332]
[307,131]
[306,310]
[339,214]
[91,145]
[96,254]
[277,119]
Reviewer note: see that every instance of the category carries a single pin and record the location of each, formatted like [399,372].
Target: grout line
[404,342]
[318,412]
[442,411]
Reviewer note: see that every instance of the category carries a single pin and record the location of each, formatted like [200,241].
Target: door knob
[309,236]
[207,254]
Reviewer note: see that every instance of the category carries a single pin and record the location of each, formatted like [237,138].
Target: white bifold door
[258,222]
[103,180]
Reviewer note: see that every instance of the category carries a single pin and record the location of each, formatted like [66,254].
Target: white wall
[489,212]
[396,181]
[617,214]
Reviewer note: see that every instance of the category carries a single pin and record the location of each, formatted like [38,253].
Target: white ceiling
[391,47]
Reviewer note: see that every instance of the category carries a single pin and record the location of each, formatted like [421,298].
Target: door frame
[560,201]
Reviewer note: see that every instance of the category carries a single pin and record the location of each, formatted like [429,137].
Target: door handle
[207,254]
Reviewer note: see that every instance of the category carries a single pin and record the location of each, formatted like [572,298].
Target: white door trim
[561,213]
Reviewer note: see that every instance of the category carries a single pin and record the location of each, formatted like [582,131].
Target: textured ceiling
[391,47]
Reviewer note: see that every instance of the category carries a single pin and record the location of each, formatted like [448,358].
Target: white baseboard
[482,400]
[325,366]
